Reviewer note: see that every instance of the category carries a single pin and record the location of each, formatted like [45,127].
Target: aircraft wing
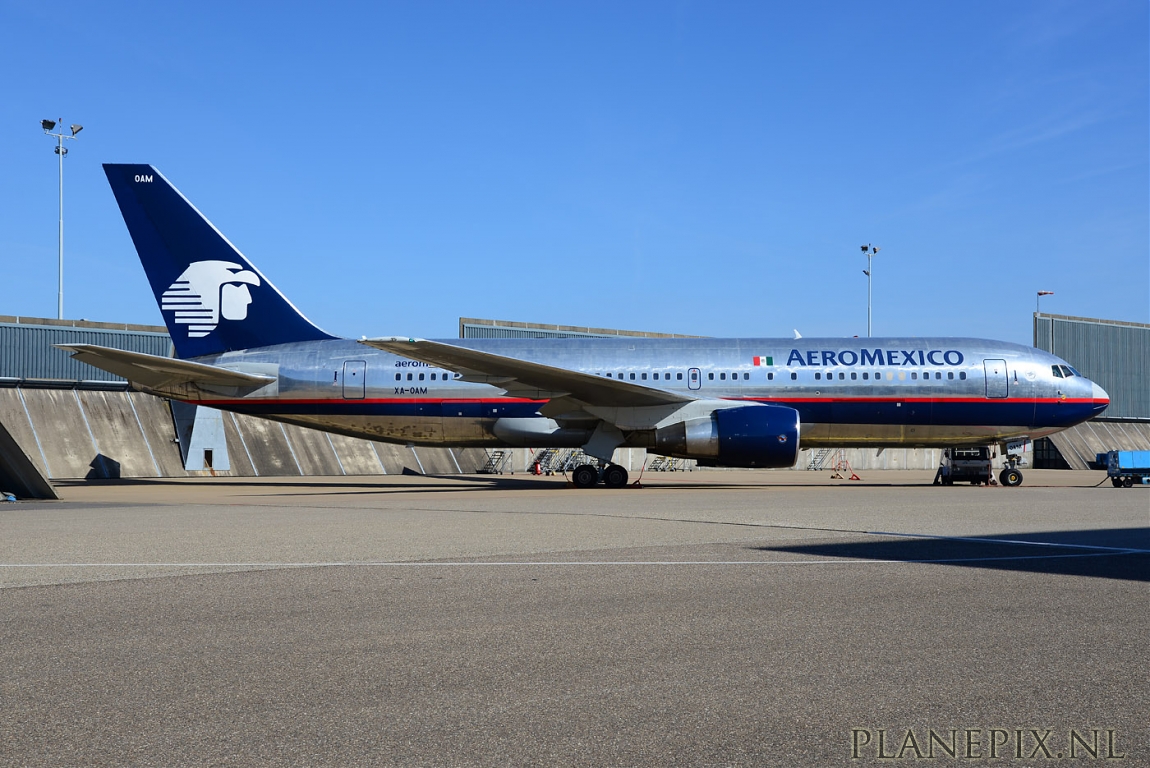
[157,372]
[515,375]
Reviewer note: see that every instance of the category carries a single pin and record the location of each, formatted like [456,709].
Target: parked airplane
[749,402]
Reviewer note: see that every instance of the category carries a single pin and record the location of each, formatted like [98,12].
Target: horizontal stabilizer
[160,373]
[514,374]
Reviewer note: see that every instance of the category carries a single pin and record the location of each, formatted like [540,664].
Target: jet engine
[762,436]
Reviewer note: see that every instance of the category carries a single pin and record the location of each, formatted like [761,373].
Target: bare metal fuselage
[848,392]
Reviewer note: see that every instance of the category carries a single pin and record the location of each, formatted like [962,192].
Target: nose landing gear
[1010,477]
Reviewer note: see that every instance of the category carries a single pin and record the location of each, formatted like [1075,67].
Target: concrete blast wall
[100,434]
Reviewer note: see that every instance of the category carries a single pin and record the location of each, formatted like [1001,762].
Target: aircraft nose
[1101,399]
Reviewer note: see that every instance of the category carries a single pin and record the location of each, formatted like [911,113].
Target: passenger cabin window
[632,377]
[938,374]
[854,376]
[398,376]
[962,375]
[794,376]
[433,377]
[913,375]
[950,374]
[770,377]
[723,376]
[409,377]
[866,376]
[746,377]
[818,376]
[667,376]
[421,377]
[643,376]
[711,376]
[678,376]
[842,376]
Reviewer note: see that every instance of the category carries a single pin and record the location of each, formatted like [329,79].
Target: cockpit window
[1057,373]
[1074,371]
[1067,371]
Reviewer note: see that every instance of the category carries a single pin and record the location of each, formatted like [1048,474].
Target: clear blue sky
[707,168]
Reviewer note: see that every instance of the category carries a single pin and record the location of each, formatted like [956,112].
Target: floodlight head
[1046,293]
[864,247]
[76,129]
[47,125]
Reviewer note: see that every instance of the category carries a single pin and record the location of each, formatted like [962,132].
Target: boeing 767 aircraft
[744,402]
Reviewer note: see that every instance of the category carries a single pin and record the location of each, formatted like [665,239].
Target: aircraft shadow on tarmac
[1117,553]
[387,483]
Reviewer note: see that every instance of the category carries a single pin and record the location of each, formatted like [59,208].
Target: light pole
[870,252]
[61,150]
[1038,314]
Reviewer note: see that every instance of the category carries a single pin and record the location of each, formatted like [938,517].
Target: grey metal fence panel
[26,350]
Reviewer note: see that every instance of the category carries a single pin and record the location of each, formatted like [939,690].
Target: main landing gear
[588,476]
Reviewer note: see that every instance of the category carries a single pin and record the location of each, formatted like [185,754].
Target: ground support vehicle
[1126,468]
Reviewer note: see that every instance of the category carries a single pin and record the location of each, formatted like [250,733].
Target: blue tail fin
[212,298]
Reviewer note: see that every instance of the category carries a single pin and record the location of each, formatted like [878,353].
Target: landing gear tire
[1010,478]
[1116,482]
[585,476]
[614,476]
[1127,482]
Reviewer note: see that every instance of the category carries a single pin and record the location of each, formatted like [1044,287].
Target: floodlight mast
[870,252]
[61,150]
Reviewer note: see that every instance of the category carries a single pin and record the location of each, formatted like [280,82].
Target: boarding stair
[544,458]
[496,461]
[819,458]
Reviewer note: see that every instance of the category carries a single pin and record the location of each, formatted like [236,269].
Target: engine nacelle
[762,436]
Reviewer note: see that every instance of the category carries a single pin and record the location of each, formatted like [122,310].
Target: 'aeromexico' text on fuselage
[878,356]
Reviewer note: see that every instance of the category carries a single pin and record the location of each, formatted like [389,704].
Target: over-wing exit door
[354,373]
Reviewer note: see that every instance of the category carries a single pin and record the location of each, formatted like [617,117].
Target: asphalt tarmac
[706,619]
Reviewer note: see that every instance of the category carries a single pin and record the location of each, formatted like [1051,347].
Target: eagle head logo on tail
[207,291]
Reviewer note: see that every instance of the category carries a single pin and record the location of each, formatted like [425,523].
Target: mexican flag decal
[764,360]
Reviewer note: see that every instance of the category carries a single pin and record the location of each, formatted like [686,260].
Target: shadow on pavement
[1118,553]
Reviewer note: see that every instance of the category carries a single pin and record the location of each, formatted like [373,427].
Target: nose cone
[1101,399]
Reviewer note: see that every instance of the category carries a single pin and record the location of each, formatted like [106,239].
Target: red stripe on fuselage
[369,401]
[384,400]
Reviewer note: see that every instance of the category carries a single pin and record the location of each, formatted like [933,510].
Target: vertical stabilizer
[212,298]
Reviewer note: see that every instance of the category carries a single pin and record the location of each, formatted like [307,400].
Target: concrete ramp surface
[1081,445]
